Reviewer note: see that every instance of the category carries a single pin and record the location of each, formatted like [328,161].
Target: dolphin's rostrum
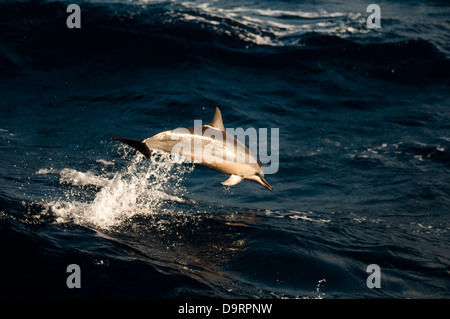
[209,145]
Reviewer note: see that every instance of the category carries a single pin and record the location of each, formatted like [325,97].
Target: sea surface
[363,152]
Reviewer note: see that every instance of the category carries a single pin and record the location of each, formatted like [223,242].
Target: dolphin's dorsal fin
[217,120]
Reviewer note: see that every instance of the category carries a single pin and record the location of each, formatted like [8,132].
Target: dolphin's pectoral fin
[233,180]
[140,146]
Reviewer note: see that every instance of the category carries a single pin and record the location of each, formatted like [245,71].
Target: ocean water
[364,149]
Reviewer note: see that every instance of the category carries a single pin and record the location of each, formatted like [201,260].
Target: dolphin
[209,145]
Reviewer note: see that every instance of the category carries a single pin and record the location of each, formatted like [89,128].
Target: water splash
[319,294]
[140,188]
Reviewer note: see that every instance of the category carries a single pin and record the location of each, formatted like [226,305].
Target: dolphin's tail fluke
[140,146]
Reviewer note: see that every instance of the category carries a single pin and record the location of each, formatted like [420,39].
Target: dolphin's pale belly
[235,168]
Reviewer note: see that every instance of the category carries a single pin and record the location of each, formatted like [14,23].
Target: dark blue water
[364,149]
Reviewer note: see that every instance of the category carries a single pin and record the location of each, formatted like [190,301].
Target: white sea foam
[276,27]
[105,162]
[307,216]
[293,214]
[74,177]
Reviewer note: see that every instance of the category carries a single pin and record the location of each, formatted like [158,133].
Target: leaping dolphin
[209,145]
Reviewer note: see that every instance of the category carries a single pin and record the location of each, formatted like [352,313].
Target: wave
[122,35]
[274,27]
[436,151]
